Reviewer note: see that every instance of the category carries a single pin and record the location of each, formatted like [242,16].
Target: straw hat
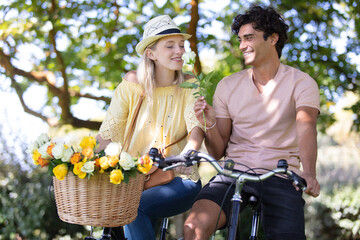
[157,28]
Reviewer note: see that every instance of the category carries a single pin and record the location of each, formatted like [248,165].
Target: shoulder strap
[132,124]
[162,150]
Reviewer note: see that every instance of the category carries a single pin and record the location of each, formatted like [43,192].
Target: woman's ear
[150,54]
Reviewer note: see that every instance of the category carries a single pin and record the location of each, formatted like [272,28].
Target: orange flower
[36,155]
[113,160]
[97,162]
[88,152]
[145,159]
[75,158]
[145,164]
[49,149]
[43,162]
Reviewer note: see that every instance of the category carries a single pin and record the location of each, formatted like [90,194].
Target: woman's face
[167,52]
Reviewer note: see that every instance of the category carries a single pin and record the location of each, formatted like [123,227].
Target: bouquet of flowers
[85,162]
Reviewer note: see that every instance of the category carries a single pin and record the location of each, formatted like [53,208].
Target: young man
[261,114]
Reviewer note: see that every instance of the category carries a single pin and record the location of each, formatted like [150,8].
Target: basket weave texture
[96,201]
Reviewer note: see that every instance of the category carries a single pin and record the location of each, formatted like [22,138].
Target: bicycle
[193,157]
[118,232]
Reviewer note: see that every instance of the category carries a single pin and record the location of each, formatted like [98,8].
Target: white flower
[58,151]
[42,139]
[88,167]
[113,149]
[67,155]
[189,57]
[126,161]
[43,150]
[32,147]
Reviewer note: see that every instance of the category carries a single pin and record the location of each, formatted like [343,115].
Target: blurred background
[61,60]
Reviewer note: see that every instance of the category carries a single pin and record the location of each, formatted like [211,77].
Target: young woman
[166,115]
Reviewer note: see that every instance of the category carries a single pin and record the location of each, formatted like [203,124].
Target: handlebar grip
[299,181]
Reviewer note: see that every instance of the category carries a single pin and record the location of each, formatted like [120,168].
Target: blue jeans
[159,202]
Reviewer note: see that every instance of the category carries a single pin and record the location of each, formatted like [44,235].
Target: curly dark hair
[266,20]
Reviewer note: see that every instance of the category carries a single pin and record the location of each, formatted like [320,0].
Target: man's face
[253,46]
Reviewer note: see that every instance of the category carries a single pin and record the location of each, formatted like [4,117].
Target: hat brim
[140,47]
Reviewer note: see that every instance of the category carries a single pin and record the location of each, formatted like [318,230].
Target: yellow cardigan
[162,119]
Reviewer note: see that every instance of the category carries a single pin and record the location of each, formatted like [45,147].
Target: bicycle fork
[235,209]
[254,203]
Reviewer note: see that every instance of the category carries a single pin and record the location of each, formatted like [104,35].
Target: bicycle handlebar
[193,157]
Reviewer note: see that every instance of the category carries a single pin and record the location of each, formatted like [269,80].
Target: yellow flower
[116,176]
[144,168]
[77,170]
[60,171]
[88,141]
[36,155]
[104,163]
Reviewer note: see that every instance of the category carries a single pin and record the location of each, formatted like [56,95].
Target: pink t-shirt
[263,124]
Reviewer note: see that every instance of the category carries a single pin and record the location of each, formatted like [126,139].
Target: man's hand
[202,106]
[313,186]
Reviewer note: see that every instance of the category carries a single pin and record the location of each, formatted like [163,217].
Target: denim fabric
[159,202]
[282,206]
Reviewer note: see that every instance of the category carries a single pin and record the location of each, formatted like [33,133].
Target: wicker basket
[97,202]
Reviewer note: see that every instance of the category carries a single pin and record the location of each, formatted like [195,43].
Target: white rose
[32,147]
[189,57]
[113,149]
[58,151]
[88,167]
[126,161]
[67,155]
[42,139]
[43,150]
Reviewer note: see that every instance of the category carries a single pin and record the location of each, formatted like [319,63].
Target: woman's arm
[102,143]
[195,139]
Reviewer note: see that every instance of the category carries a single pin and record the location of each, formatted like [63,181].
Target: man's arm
[306,131]
[217,136]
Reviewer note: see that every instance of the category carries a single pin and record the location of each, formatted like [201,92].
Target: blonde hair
[146,73]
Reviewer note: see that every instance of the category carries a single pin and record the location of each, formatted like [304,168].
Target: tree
[90,45]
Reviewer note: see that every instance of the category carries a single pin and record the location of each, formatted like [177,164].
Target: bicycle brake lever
[299,181]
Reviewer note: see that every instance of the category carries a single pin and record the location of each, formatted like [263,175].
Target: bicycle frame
[193,157]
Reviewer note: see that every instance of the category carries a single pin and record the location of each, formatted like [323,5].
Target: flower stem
[204,119]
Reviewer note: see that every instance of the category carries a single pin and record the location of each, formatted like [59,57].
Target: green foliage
[97,40]
[335,216]
[28,206]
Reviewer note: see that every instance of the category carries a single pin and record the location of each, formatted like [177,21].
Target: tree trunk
[194,13]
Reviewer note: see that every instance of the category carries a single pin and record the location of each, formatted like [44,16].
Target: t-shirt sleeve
[219,101]
[114,124]
[307,93]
